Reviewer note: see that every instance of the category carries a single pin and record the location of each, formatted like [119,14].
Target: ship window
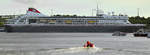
[125,21]
[53,21]
[43,21]
[101,15]
[32,20]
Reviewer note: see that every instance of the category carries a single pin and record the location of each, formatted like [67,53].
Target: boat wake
[74,50]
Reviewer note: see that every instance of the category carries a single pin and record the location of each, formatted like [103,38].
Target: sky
[78,7]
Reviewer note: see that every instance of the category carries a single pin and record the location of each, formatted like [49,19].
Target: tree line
[140,20]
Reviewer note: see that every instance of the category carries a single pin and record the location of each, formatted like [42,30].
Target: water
[71,44]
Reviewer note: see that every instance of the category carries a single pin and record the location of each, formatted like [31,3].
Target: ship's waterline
[71,28]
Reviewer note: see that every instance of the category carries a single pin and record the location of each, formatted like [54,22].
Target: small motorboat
[140,33]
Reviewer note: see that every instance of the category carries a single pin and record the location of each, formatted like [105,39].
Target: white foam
[76,50]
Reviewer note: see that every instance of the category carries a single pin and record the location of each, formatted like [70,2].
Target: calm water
[71,44]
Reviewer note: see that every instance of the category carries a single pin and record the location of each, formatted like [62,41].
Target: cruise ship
[35,21]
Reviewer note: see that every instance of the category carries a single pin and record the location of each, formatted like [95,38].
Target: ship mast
[97,10]
[138,12]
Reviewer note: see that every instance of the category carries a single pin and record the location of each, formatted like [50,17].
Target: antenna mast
[138,11]
[97,10]
[51,12]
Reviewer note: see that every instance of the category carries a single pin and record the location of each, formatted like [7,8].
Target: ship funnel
[34,12]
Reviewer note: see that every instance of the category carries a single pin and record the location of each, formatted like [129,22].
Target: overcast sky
[79,7]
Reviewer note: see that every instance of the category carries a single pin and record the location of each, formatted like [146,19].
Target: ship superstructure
[34,16]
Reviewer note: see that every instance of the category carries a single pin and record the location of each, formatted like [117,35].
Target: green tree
[2,20]
[1,24]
